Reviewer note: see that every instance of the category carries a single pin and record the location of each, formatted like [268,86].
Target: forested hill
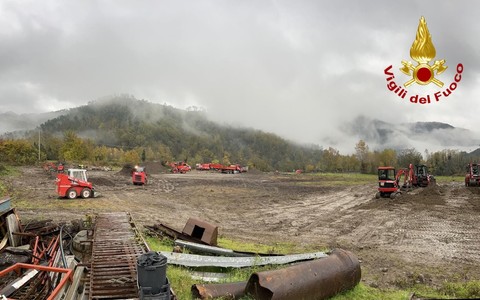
[127,123]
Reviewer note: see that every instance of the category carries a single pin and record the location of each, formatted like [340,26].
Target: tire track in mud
[309,217]
[446,233]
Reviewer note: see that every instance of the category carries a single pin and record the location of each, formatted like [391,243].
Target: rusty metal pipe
[314,280]
[233,290]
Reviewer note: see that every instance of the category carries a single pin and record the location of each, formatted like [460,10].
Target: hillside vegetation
[123,129]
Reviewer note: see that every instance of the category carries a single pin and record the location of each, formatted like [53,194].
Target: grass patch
[447,179]
[364,292]
[465,290]
[4,172]
[280,248]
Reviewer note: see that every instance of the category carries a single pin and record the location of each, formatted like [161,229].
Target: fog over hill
[433,136]
[378,134]
[11,121]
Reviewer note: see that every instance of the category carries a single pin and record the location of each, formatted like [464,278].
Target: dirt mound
[101,181]
[127,170]
[156,167]
[431,195]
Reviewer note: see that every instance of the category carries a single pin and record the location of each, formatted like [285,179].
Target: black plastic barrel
[147,294]
[152,272]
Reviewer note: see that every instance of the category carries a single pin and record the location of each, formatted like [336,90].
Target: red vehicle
[52,167]
[388,181]
[202,167]
[472,178]
[421,177]
[179,167]
[139,176]
[216,166]
[413,176]
[74,184]
[231,169]
[234,168]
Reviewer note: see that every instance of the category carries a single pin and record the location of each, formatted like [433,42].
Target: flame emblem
[423,51]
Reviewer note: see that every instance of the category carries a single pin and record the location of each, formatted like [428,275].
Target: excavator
[472,177]
[413,176]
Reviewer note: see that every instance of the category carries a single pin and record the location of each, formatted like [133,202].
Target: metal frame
[16,267]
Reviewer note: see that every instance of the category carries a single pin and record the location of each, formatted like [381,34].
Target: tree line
[74,149]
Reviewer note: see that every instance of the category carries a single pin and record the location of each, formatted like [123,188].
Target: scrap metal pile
[317,275]
[42,248]
[94,258]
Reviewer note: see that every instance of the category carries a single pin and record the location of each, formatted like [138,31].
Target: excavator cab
[472,178]
[421,175]
[387,185]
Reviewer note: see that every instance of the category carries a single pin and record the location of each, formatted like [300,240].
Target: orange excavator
[389,181]
[472,176]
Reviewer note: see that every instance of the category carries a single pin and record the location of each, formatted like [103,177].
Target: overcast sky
[296,68]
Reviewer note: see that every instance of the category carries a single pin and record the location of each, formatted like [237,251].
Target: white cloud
[299,69]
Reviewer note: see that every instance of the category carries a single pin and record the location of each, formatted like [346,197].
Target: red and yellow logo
[423,73]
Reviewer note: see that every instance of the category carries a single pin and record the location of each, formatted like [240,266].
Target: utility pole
[39,145]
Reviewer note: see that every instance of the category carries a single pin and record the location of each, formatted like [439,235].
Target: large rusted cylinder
[313,280]
[234,290]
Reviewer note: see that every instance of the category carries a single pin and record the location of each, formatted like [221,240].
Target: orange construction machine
[74,184]
[389,180]
[472,178]
[139,176]
[421,177]
[179,167]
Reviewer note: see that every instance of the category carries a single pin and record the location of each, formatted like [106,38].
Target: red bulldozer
[472,177]
[74,184]
[139,176]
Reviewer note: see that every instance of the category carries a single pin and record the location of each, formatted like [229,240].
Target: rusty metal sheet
[194,260]
[173,233]
[233,290]
[201,230]
[314,280]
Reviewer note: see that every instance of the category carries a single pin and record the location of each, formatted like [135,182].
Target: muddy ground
[426,236]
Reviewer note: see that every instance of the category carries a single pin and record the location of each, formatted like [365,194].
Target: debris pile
[314,276]
[42,248]
[95,258]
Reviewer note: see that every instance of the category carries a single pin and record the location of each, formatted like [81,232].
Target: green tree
[18,152]
[362,153]
[388,157]
[408,156]
[131,157]
[330,160]
[73,148]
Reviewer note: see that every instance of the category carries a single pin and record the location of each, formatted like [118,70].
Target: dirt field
[426,236]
